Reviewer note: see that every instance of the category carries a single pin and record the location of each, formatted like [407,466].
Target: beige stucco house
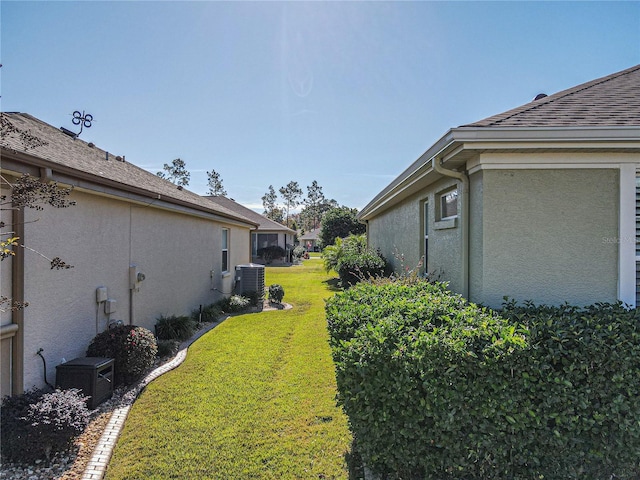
[538,203]
[310,240]
[126,221]
[267,234]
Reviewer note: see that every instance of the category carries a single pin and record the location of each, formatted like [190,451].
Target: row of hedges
[353,260]
[435,387]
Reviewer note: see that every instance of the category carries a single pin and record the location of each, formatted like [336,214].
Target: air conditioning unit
[250,278]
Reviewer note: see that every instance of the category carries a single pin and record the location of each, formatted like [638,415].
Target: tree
[339,223]
[215,184]
[315,198]
[270,204]
[291,194]
[176,173]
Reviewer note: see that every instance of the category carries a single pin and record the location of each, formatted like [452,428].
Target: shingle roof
[58,148]
[311,235]
[613,100]
[263,222]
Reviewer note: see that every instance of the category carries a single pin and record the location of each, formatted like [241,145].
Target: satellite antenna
[82,119]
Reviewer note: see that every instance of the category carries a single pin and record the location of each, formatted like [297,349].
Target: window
[225,250]
[426,234]
[449,204]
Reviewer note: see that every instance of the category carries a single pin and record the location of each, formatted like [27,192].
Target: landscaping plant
[38,423]
[276,293]
[436,387]
[132,348]
[175,327]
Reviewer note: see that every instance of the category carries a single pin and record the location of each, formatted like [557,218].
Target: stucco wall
[476,240]
[401,229]
[543,235]
[101,237]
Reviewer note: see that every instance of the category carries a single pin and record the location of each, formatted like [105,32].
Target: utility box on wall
[92,375]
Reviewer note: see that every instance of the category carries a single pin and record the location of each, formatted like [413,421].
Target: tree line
[276,207]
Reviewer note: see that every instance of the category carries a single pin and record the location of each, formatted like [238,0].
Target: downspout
[17,293]
[464,179]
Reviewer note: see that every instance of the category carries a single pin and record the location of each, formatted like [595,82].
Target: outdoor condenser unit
[250,278]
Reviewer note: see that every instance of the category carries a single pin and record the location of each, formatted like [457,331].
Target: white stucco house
[267,234]
[539,203]
[126,221]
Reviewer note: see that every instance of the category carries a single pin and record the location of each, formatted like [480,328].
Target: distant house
[540,202]
[126,221]
[267,234]
[310,240]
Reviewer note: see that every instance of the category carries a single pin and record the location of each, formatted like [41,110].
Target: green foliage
[174,327]
[36,424]
[176,172]
[270,253]
[298,252]
[234,304]
[339,223]
[332,254]
[276,293]
[210,313]
[357,266]
[132,348]
[167,348]
[435,387]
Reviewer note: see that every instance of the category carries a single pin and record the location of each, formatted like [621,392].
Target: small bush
[37,423]
[174,327]
[255,298]
[276,293]
[210,313]
[355,267]
[298,252]
[233,304]
[167,348]
[132,348]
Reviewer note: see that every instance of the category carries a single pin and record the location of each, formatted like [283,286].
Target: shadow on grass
[354,463]
[333,284]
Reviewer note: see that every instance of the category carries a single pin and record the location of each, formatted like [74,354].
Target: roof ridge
[536,104]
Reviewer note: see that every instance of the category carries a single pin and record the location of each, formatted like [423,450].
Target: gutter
[436,163]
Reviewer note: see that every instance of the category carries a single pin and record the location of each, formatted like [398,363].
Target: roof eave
[72,173]
[474,138]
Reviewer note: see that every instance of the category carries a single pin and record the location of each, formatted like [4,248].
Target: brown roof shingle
[613,100]
[58,148]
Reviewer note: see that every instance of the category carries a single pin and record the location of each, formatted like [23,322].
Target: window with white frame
[225,250]
[426,233]
[448,204]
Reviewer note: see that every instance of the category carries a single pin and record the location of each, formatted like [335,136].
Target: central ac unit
[250,278]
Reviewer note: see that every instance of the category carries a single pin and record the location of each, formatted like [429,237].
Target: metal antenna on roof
[83,120]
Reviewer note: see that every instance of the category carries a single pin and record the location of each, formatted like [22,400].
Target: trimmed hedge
[435,387]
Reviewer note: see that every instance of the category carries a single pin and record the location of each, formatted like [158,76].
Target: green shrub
[435,387]
[276,293]
[167,348]
[132,348]
[174,327]
[255,298]
[332,254]
[210,313]
[36,424]
[298,252]
[234,304]
[355,267]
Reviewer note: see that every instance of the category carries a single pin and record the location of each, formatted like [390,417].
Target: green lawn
[255,398]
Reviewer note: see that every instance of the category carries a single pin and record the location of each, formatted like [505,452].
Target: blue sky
[345,93]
